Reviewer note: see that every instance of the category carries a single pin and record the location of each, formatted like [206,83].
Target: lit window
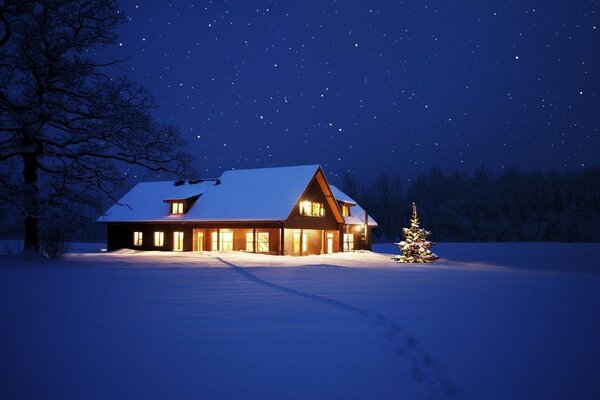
[226,239]
[262,242]
[312,209]
[200,241]
[296,240]
[305,207]
[177,241]
[348,241]
[213,241]
[316,209]
[137,238]
[249,241]
[177,207]
[159,239]
[345,211]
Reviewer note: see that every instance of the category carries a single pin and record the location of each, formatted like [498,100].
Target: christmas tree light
[415,248]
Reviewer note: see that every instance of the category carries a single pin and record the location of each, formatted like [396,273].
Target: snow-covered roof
[146,201]
[357,213]
[266,194]
[254,194]
[341,196]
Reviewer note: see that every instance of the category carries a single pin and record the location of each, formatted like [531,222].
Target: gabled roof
[357,213]
[266,194]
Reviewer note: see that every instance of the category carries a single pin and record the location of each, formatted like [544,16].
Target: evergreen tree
[415,249]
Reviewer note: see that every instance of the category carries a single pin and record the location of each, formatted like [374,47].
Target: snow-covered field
[488,321]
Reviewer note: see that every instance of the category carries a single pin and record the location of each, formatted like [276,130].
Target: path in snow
[422,366]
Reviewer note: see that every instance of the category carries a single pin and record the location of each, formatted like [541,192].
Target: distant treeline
[486,206]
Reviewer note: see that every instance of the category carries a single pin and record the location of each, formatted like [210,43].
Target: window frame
[298,238]
[261,242]
[138,238]
[177,207]
[226,243]
[250,242]
[348,244]
[345,210]
[214,242]
[160,235]
[311,208]
[178,239]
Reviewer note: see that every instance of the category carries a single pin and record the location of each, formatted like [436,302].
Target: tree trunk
[31,200]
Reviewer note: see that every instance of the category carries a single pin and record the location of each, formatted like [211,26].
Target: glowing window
[177,207]
[311,209]
[348,241]
[305,207]
[159,239]
[226,239]
[137,238]
[262,242]
[296,240]
[249,241]
[213,241]
[200,241]
[345,211]
[177,241]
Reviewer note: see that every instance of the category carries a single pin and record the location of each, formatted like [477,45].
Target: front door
[329,243]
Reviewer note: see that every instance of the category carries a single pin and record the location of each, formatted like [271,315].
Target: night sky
[372,86]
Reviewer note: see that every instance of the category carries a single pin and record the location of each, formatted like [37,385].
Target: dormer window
[177,207]
[312,209]
[181,205]
[345,210]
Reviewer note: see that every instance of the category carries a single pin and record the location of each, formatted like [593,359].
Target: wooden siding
[312,193]
[120,235]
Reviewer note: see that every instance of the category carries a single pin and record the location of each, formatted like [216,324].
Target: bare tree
[9,8]
[66,121]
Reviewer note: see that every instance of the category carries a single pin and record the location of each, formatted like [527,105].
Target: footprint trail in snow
[422,366]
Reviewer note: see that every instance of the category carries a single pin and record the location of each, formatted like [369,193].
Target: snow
[341,196]
[262,194]
[357,213]
[488,321]
[254,194]
[146,201]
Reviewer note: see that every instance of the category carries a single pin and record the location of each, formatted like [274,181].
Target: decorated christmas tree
[415,249]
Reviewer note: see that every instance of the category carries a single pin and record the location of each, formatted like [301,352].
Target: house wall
[316,242]
[239,236]
[315,194]
[120,235]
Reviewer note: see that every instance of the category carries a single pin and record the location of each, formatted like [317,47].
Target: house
[284,210]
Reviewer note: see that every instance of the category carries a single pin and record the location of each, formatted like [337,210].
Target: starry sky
[372,86]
